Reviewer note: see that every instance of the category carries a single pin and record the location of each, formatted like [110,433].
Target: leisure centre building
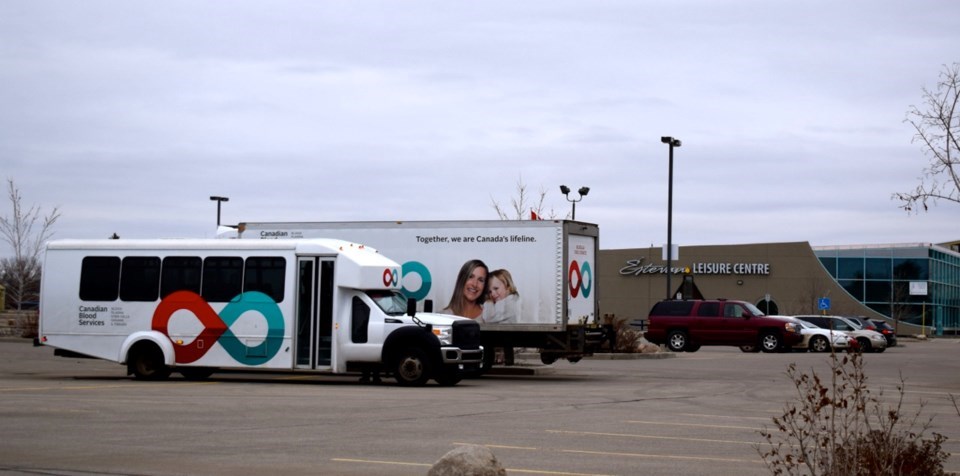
[915,287]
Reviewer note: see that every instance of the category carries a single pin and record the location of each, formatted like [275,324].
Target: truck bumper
[456,355]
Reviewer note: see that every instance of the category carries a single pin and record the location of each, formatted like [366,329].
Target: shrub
[628,338]
[838,428]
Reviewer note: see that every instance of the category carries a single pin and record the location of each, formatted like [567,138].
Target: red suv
[688,324]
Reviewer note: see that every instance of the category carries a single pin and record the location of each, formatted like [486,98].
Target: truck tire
[547,359]
[819,344]
[448,376]
[146,362]
[677,341]
[412,368]
[770,342]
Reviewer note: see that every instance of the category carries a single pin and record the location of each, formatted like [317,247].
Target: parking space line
[644,455]
[698,425]
[97,387]
[651,437]
[732,417]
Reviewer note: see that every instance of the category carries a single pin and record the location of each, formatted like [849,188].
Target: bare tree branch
[25,230]
[937,127]
[522,205]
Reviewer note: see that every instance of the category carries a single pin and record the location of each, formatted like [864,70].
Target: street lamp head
[670,140]
[564,189]
[583,191]
[220,199]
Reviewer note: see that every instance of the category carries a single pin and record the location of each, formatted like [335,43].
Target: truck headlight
[444,333]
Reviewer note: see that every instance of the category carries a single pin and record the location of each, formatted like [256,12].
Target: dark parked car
[887,330]
[863,322]
[686,325]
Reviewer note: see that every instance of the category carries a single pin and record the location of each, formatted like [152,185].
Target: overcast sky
[129,115]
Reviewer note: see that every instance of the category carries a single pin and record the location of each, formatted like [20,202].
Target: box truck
[551,263]
[196,306]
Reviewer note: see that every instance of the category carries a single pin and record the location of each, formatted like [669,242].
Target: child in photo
[503,300]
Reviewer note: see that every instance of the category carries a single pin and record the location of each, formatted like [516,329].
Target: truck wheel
[448,377]
[819,344]
[770,342]
[547,359]
[677,341]
[412,368]
[146,363]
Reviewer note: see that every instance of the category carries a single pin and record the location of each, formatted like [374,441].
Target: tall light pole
[219,200]
[672,143]
[565,190]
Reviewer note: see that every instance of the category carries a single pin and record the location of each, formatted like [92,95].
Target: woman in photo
[470,290]
[503,307]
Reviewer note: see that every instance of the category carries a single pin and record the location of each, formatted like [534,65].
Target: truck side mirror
[411,307]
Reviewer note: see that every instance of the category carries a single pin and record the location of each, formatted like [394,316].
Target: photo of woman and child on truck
[489,297]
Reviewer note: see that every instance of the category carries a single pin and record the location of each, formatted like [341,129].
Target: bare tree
[25,230]
[524,206]
[937,126]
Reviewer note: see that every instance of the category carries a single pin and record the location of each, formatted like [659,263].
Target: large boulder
[468,460]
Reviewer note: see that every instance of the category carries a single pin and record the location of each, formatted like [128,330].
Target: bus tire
[196,373]
[412,368]
[146,362]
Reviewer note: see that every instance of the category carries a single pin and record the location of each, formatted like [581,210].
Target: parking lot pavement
[696,413]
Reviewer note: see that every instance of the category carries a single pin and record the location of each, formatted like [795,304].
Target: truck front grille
[466,334]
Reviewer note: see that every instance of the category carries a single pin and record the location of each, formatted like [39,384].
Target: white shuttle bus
[195,306]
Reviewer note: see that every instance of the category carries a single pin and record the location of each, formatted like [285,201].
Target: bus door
[314,336]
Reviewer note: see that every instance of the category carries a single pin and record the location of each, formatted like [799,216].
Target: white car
[815,339]
[869,341]
[818,339]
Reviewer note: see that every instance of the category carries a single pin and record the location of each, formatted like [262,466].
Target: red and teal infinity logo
[216,327]
[581,279]
[391,278]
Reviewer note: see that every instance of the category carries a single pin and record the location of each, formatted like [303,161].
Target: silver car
[869,341]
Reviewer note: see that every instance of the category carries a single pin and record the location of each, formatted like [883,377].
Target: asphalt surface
[697,413]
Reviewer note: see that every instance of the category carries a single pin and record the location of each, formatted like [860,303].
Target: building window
[850,268]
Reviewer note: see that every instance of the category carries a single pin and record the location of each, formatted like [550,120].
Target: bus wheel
[412,369]
[196,373]
[146,363]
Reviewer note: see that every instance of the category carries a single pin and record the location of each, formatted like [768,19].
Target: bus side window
[265,274]
[359,320]
[222,278]
[100,278]
[180,273]
[140,278]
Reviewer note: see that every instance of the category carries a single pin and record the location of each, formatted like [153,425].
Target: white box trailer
[552,264]
[195,306]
